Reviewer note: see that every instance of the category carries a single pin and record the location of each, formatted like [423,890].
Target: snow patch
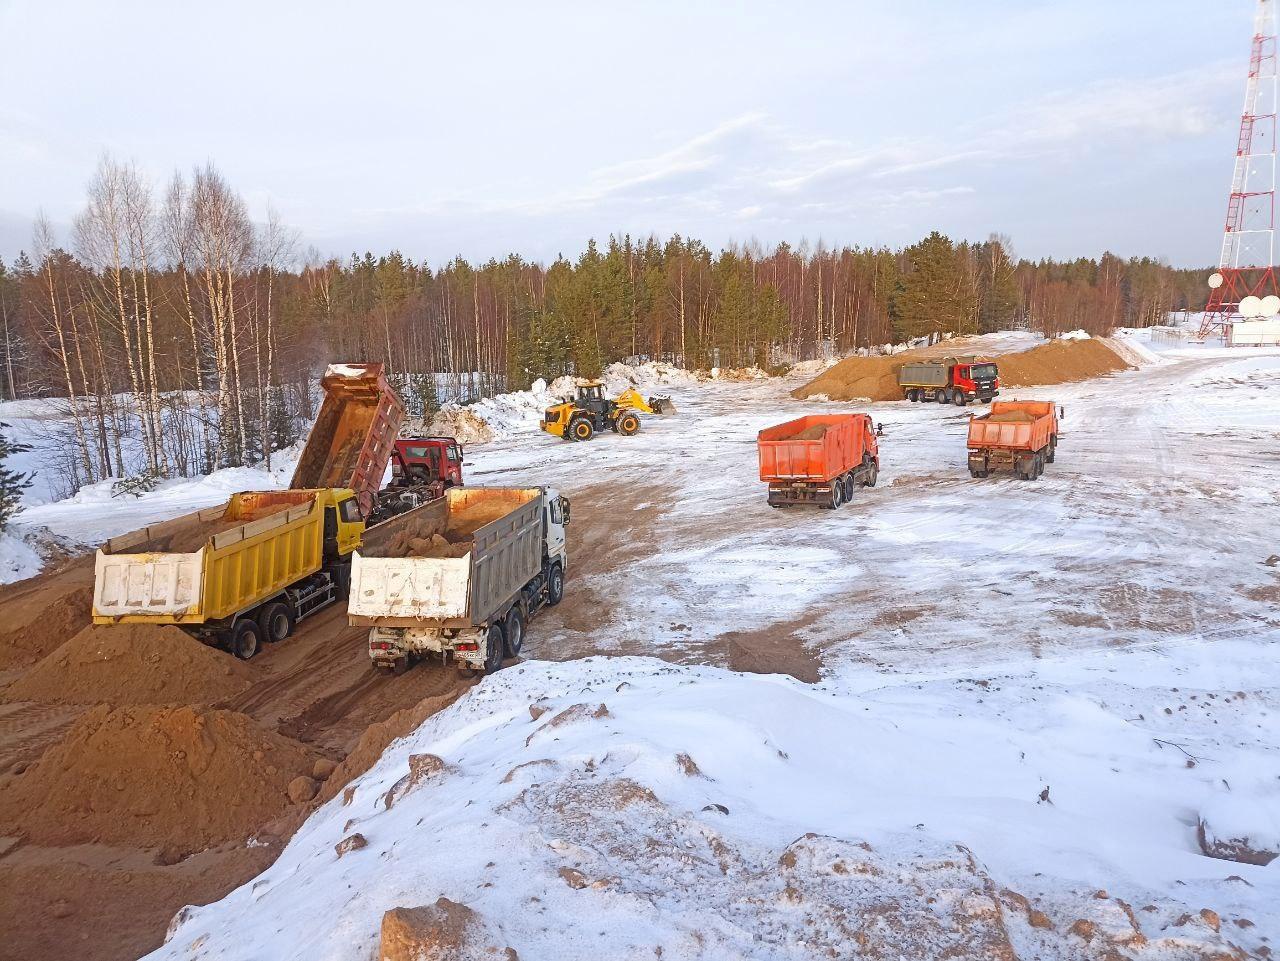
[18,559]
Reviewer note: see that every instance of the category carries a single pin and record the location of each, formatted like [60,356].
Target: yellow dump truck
[235,575]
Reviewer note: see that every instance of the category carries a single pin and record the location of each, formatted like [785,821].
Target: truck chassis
[833,493]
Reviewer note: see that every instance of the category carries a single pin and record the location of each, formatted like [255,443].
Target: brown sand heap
[132,664]
[1059,362]
[428,534]
[405,545]
[876,378]
[813,432]
[1011,417]
[174,778]
[40,620]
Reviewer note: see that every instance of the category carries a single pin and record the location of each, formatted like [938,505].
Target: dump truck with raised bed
[819,459]
[1018,434]
[248,571]
[460,576]
[234,575]
[422,469]
[950,380]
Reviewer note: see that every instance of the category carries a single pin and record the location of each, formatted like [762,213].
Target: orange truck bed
[1019,434]
[1014,425]
[811,459]
[354,434]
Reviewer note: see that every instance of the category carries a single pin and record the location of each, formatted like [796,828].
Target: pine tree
[12,483]
[929,297]
[998,287]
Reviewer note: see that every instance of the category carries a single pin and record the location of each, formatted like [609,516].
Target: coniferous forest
[181,335]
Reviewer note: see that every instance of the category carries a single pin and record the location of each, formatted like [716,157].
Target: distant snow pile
[628,808]
[1074,335]
[1132,349]
[18,559]
[518,412]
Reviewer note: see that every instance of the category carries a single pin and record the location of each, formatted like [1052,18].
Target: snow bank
[1074,335]
[1241,826]
[624,807]
[18,559]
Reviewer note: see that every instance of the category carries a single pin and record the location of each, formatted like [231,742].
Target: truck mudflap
[388,644]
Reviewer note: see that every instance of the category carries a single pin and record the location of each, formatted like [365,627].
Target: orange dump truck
[1021,434]
[819,459]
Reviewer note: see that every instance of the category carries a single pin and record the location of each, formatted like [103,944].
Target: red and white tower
[1244,285]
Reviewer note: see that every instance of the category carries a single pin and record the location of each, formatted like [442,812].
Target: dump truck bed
[258,543]
[404,577]
[1014,425]
[814,448]
[351,442]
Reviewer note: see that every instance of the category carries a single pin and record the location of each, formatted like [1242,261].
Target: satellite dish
[1251,306]
[1270,305]
[1215,280]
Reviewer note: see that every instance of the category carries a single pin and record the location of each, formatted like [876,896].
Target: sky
[483,128]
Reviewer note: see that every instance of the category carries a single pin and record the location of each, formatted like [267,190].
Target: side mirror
[567,509]
[1062,413]
[879,430]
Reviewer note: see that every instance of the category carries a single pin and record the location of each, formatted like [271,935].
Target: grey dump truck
[950,380]
[460,576]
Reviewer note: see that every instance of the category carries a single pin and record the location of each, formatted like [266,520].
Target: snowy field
[1029,694]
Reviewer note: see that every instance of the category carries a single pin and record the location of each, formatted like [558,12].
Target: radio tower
[1244,286]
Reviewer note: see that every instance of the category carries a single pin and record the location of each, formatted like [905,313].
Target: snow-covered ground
[1030,692]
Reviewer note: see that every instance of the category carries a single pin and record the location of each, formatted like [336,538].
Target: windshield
[983,372]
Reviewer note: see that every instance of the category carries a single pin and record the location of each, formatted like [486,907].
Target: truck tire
[276,622]
[628,424]
[849,485]
[493,645]
[555,585]
[944,396]
[513,634]
[870,472]
[245,639]
[1053,448]
[837,495]
[911,395]
[960,399]
[581,428]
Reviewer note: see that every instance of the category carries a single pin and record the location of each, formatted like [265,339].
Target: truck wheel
[1053,449]
[276,622]
[493,649]
[944,396]
[555,585]
[400,665]
[872,474]
[514,634]
[849,486]
[911,395]
[628,424]
[582,429]
[960,399]
[245,639]
[837,495]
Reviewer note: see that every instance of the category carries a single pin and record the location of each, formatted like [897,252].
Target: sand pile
[1011,417]
[404,545]
[180,779]
[37,623]
[132,664]
[1059,362]
[462,424]
[876,378]
[814,432]
[858,378]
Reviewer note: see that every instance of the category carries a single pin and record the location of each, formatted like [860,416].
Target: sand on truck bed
[132,664]
[431,535]
[876,378]
[814,432]
[177,779]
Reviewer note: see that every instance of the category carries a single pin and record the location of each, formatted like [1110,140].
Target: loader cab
[591,397]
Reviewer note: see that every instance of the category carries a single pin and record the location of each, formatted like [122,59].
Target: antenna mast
[1244,285]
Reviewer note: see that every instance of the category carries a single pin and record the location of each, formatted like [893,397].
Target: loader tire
[581,429]
[246,639]
[628,424]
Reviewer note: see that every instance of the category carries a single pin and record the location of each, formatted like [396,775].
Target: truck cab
[417,461]
[976,381]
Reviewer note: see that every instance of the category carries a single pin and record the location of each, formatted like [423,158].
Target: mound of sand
[876,378]
[37,623]
[179,779]
[815,432]
[460,423]
[1059,362]
[132,664]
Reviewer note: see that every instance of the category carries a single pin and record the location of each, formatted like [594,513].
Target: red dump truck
[1021,434]
[818,459]
[950,380]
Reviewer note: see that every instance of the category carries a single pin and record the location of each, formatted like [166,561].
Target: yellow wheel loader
[590,411]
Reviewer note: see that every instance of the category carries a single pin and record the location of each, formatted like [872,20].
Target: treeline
[182,336]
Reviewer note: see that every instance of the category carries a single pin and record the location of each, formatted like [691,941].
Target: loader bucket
[662,405]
